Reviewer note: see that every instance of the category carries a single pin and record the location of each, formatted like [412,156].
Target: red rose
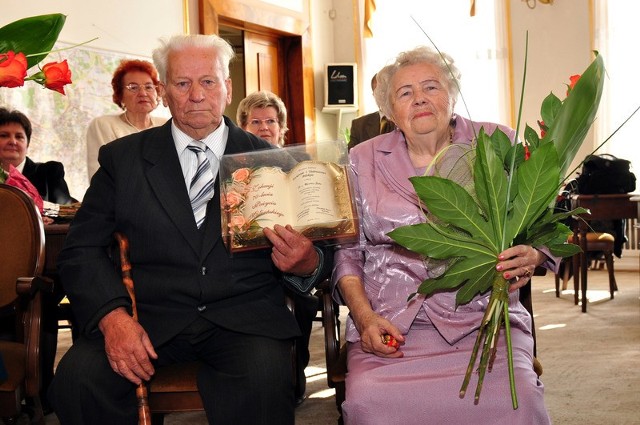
[543,128]
[57,75]
[573,80]
[13,69]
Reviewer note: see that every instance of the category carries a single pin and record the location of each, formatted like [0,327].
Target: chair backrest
[21,239]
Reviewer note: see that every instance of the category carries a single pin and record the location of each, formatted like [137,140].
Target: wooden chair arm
[331,324]
[30,285]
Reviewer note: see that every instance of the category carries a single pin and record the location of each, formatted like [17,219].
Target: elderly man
[194,300]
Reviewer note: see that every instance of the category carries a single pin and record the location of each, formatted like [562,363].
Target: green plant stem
[61,49]
[496,314]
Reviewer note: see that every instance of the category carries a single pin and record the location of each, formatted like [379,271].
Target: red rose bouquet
[24,44]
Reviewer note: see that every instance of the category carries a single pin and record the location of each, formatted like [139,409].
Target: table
[54,235]
[602,207]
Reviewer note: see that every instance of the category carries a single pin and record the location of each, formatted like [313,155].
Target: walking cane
[144,415]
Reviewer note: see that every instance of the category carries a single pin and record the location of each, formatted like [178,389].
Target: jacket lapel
[395,166]
[167,182]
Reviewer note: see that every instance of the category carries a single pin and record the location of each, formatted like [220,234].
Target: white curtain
[477,44]
[616,38]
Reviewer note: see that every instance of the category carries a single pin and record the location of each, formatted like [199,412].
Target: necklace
[126,118]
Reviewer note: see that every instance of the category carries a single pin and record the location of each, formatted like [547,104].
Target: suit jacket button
[202,308]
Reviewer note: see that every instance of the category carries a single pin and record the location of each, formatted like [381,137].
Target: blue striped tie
[201,189]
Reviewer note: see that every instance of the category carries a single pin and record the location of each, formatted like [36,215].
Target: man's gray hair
[181,42]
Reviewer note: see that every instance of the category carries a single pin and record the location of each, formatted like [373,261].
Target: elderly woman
[263,114]
[46,177]
[418,381]
[135,90]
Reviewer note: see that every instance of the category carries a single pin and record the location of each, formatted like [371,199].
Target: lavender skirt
[423,387]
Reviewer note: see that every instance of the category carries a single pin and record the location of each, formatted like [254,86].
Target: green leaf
[35,34]
[532,138]
[435,241]
[564,250]
[549,109]
[449,202]
[518,155]
[476,274]
[501,144]
[490,182]
[479,283]
[537,183]
[576,114]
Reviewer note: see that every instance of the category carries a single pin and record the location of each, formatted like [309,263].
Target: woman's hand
[518,264]
[372,327]
[373,330]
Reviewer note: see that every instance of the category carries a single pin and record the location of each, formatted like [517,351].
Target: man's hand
[127,346]
[292,252]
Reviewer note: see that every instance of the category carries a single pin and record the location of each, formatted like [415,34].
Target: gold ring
[527,273]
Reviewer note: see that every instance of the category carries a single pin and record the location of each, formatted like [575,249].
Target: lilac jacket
[386,200]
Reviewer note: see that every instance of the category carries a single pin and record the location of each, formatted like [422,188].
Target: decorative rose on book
[233,200]
[242,175]
[238,224]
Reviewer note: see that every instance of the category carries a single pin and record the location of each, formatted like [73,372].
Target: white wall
[559,46]
[332,40]
[123,26]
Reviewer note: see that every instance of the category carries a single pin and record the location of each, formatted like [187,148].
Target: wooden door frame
[294,34]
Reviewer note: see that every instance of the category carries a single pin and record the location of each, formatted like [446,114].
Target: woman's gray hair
[180,42]
[263,99]
[418,55]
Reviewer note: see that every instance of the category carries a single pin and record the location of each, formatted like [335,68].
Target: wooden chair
[336,352]
[22,239]
[173,388]
[596,242]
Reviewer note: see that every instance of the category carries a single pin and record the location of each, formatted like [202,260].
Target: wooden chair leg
[575,261]
[612,279]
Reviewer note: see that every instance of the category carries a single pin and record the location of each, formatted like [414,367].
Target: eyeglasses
[270,122]
[135,88]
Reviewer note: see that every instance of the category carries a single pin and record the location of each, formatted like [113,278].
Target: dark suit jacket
[367,127]
[48,178]
[179,271]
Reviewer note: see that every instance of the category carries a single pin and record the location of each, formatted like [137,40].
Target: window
[617,34]
[476,44]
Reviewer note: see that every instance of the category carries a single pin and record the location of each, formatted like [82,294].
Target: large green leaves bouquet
[511,202]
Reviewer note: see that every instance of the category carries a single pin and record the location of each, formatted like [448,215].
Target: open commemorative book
[290,185]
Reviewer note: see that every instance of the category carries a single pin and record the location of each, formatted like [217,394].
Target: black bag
[602,174]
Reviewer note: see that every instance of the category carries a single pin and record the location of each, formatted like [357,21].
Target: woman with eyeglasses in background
[135,90]
[263,113]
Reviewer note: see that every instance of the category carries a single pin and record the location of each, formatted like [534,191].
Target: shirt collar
[20,166]
[215,141]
